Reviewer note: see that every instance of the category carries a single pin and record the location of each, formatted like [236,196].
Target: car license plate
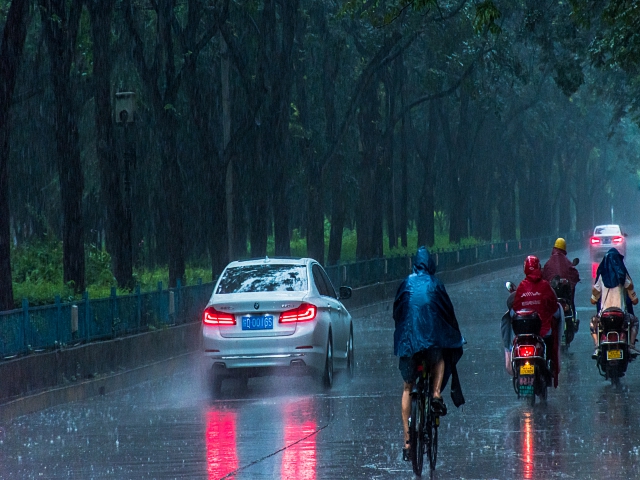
[527,369]
[614,354]
[264,322]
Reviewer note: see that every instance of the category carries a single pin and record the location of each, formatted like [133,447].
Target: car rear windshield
[607,231]
[263,278]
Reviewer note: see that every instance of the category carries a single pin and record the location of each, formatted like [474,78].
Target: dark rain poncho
[612,269]
[424,318]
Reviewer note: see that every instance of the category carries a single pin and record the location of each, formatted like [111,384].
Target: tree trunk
[60,32]
[171,179]
[282,80]
[315,180]
[338,211]
[330,67]
[426,205]
[564,181]
[459,213]
[392,83]
[13,38]
[118,210]
[369,207]
[226,131]
[403,204]
[258,199]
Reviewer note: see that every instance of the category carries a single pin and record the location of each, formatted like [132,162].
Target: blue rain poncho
[612,269]
[424,317]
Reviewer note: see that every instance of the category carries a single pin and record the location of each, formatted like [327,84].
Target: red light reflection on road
[528,448]
[299,458]
[220,438]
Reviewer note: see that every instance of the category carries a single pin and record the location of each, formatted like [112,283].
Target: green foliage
[42,293]
[37,263]
[486,16]
[38,277]
[98,268]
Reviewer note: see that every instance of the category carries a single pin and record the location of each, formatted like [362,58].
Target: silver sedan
[604,238]
[277,313]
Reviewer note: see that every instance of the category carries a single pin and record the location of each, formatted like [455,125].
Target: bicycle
[424,422]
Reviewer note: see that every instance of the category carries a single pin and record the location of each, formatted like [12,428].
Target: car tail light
[617,240]
[595,241]
[304,313]
[212,316]
[526,350]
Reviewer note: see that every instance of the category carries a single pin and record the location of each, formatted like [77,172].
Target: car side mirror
[575,261]
[345,293]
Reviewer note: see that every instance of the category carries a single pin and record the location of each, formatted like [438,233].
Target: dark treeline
[255,118]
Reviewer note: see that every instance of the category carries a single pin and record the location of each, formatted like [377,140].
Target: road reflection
[295,441]
[222,457]
[299,458]
[528,446]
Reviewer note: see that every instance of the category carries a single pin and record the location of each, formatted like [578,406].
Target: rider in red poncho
[535,293]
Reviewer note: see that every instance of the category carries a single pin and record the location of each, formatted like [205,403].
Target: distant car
[277,313]
[605,237]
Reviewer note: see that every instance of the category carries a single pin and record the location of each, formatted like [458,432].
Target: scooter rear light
[616,337]
[526,350]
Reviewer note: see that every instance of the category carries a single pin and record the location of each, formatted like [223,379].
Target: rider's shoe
[438,407]
[596,352]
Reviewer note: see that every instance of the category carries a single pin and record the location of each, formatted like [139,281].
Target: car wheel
[216,385]
[243,380]
[351,362]
[327,377]
[215,380]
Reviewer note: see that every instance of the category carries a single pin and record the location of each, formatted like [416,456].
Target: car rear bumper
[264,352]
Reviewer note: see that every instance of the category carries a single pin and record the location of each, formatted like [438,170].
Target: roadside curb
[84,389]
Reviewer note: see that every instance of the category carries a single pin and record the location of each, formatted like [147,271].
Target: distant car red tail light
[212,316]
[595,241]
[617,240]
[304,313]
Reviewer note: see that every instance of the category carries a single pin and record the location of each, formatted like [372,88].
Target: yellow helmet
[561,244]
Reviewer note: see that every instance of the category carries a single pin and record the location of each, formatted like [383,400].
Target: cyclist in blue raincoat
[425,320]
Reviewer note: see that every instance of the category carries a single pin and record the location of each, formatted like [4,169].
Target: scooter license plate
[527,369]
[614,354]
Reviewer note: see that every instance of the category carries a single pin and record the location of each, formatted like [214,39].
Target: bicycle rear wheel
[432,424]
[416,433]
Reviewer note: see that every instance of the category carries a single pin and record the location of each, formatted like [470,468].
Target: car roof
[273,261]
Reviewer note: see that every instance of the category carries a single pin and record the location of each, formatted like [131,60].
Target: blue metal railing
[32,329]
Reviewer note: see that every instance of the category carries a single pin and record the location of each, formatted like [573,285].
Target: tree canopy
[258,121]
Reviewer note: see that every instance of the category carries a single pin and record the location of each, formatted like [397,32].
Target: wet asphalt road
[290,428]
